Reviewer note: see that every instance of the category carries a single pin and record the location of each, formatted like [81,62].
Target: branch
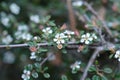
[21,45]
[91,62]
[96,14]
[39,44]
[69,45]
[45,59]
[71,15]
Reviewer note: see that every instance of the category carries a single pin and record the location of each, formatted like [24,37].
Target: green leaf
[87,78]
[96,62]
[42,50]
[92,68]
[45,69]
[51,23]
[107,70]
[4,6]
[47,17]
[103,78]
[64,51]
[37,65]
[46,75]
[32,43]
[95,77]
[74,71]
[35,74]
[29,66]
[64,77]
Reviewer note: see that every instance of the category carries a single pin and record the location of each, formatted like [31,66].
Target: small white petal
[55,40]
[58,42]
[25,71]
[33,53]
[82,40]
[57,35]
[90,38]
[95,37]
[88,34]
[50,31]
[43,30]
[116,56]
[77,66]
[83,36]
[48,28]
[62,41]
[118,52]
[23,76]
[119,59]
[87,42]
[28,72]
[72,33]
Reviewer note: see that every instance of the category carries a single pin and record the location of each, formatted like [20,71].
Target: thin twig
[91,62]
[98,17]
[21,45]
[45,59]
[26,45]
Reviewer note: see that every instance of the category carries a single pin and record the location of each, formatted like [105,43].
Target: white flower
[7,39]
[59,38]
[8,57]
[77,3]
[86,38]
[69,33]
[22,32]
[35,18]
[117,55]
[26,75]
[47,30]
[76,65]
[23,35]
[5,21]
[26,36]
[33,55]
[22,27]
[14,8]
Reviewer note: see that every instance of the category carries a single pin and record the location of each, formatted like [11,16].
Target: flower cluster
[6,39]
[22,33]
[117,55]
[26,75]
[59,39]
[88,38]
[35,18]
[5,20]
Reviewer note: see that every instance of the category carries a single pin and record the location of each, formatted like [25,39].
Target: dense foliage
[55,40]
